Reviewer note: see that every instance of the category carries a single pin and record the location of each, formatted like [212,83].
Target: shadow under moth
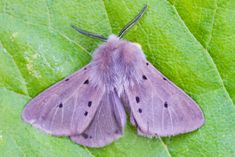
[90,105]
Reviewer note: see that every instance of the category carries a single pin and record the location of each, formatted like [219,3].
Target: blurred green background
[192,42]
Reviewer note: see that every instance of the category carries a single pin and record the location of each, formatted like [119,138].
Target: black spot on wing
[165,104]
[67,79]
[147,63]
[60,105]
[164,78]
[89,103]
[84,135]
[140,110]
[137,99]
[144,77]
[86,82]
[85,113]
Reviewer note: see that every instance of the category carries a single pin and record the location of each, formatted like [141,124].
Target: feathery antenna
[89,34]
[122,32]
[132,22]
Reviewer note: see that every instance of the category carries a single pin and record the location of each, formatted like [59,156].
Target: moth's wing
[107,125]
[67,107]
[158,107]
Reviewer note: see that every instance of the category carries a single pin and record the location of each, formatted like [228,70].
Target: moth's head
[112,37]
[116,42]
[117,47]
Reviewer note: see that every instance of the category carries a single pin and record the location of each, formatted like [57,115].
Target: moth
[90,105]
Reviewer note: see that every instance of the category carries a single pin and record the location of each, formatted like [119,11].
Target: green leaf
[191,42]
[212,23]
